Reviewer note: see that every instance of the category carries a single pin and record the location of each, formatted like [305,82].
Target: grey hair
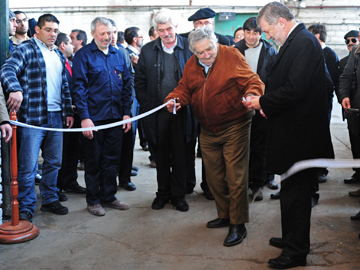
[163,16]
[100,20]
[272,11]
[200,34]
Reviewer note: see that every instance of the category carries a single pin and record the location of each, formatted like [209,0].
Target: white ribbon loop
[97,127]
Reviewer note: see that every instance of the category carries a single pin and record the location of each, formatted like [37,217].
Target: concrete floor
[141,238]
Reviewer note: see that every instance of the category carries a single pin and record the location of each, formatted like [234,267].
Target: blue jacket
[102,84]
[25,71]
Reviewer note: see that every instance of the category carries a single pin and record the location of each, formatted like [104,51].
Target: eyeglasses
[22,21]
[353,40]
[198,23]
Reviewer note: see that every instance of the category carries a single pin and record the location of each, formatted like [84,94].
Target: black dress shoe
[55,207]
[133,173]
[75,189]
[62,196]
[180,204]
[208,195]
[351,180]
[218,223]
[277,242]
[275,196]
[128,186]
[355,217]
[236,235]
[159,203]
[283,262]
[135,168]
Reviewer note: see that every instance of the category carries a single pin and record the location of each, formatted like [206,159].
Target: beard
[21,32]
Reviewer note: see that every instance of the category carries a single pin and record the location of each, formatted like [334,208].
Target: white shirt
[54,70]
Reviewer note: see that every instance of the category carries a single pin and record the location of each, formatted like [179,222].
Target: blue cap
[11,14]
[202,13]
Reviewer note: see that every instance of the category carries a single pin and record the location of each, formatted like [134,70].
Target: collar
[171,49]
[133,49]
[292,29]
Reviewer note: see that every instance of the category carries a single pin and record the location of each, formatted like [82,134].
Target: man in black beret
[204,17]
[350,40]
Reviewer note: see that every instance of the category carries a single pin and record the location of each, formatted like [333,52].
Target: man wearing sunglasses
[350,41]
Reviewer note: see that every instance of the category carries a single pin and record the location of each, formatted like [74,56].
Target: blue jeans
[30,141]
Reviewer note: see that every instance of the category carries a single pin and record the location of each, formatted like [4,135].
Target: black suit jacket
[296,104]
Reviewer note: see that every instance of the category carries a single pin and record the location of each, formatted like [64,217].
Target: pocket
[233,98]
[96,75]
[119,73]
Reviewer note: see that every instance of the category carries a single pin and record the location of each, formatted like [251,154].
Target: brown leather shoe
[118,205]
[355,193]
[96,210]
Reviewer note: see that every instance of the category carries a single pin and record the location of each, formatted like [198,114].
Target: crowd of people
[254,111]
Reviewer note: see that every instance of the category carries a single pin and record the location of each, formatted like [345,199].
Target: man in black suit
[297,111]
[204,17]
[67,177]
[351,39]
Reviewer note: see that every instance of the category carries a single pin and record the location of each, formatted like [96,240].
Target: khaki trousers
[226,158]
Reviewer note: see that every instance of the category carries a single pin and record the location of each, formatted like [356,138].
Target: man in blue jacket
[34,78]
[102,95]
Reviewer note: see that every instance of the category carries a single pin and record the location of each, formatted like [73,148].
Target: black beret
[352,33]
[202,13]
[11,14]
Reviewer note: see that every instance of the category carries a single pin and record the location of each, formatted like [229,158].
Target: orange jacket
[217,98]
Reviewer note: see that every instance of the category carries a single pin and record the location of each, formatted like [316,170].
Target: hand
[252,103]
[14,101]
[346,103]
[69,121]
[86,123]
[170,106]
[6,132]
[126,126]
[263,114]
[134,60]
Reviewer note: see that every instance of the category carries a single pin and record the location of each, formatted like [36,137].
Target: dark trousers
[204,185]
[67,176]
[141,133]
[170,155]
[190,165]
[295,203]
[355,149]
[257,171]
[102,157]
[127,156]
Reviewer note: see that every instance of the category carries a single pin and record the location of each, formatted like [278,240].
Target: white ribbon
[320,163]
[115,124]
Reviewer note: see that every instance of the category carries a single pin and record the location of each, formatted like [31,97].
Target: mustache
[168,36]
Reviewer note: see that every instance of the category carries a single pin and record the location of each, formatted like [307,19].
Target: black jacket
[223,40]
[266,58]
[296,104]
[148,77]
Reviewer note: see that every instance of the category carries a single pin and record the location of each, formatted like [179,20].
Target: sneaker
[118,205]
[180,204]
[25,215]
[96,210]
[159,203]
[55,207]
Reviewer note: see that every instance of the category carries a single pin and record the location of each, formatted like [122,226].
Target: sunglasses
[353,40]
